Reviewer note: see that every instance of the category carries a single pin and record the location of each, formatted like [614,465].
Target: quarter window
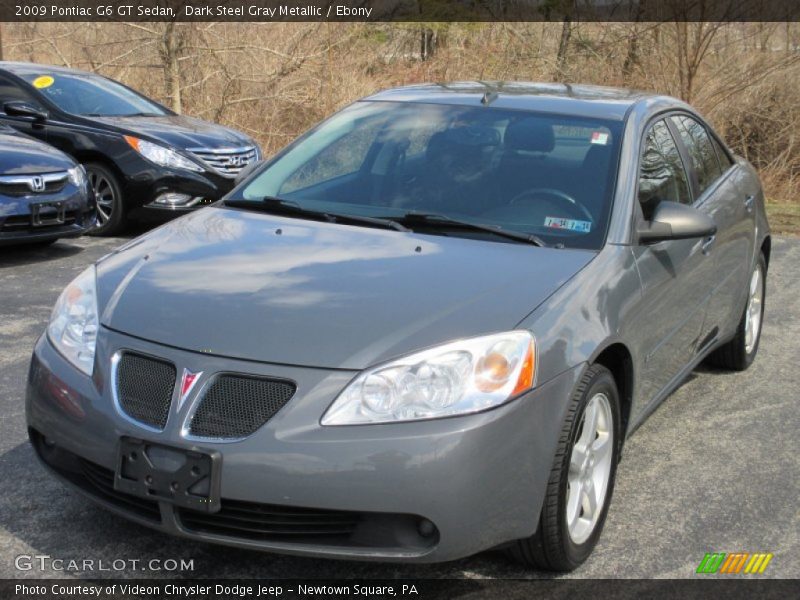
[701,151]
[661,172]
[724,159]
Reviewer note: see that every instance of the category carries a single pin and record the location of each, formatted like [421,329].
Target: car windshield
[91,95]
[546,175]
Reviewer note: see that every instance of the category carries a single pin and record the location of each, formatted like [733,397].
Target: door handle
[708,243]
[748,202]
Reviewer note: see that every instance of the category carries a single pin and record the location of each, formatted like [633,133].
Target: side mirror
[245,173]
[675,221]
[19,108]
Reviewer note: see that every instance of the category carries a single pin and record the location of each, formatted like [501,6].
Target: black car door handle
[748,202]
[708,243]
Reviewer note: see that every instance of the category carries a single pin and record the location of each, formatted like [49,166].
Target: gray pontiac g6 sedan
[422,330]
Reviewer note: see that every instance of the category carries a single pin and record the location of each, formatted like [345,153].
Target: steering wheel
[537,193]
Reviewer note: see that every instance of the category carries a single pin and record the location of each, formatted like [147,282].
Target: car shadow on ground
[29,254]
[14,256]
[46,518]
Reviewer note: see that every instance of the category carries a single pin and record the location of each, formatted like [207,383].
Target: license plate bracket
[187,478]
[48,213]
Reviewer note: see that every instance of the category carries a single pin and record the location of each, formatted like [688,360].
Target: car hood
[21,155]
[180,131]
[273,289]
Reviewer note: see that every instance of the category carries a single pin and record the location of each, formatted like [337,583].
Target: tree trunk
[170,48]
[427,38]
[563,47]
[631,56]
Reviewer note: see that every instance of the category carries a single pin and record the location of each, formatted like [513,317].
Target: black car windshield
[547,175]
[91,95]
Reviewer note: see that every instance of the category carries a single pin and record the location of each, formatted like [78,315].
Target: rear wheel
[108,196]
[581,480]
[740,352]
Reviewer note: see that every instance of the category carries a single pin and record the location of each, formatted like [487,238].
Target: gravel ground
[715,468]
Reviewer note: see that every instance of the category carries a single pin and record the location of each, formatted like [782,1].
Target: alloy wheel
[104,196]
[590,469]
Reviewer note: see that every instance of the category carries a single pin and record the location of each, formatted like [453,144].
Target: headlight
[161,155]
[74,322]
[77,176]
[457,378]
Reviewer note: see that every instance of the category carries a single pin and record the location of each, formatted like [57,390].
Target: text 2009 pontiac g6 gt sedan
[422,330]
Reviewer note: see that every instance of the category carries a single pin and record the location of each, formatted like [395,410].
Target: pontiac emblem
[187,383]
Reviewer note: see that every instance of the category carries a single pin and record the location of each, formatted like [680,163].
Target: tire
[739,353]
[108,196]
[557,545]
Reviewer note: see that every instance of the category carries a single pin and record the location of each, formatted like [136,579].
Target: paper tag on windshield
[570,224]
[598,137]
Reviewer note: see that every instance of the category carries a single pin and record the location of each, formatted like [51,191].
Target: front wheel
[108,197]
[581,480]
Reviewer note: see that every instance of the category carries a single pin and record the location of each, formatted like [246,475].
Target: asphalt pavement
[715,469]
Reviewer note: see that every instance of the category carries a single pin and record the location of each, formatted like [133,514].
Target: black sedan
[142,159]
[44,194]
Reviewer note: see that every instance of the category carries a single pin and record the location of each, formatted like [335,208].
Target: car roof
[558,98]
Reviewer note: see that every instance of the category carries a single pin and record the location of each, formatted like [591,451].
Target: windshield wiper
[279,206]
[438,221]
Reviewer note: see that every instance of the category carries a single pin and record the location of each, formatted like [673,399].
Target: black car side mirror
[245,172]
[20,108]
[675,221]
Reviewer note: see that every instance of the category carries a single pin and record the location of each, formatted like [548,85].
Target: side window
[725,161]
[10,91]
[661,173]
[701,151]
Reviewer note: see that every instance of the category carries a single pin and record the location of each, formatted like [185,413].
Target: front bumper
[144,183]
[17,222]
[480,479]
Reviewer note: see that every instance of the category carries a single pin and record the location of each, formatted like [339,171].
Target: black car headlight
[77,176]
[161,155]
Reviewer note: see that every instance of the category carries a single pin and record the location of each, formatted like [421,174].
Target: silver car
[422,330]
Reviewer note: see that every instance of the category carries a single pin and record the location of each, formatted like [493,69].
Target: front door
[676,275]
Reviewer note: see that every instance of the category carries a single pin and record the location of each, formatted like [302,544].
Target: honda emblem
[36,183]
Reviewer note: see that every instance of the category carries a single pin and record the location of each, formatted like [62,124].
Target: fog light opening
[174,199]
[425,528]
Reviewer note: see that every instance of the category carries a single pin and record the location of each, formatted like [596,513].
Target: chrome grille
[144,388]
[236,405]
[226,161]
[24,185]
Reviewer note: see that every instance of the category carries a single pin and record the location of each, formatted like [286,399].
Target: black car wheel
[740,352]
[581,479]
[108,196]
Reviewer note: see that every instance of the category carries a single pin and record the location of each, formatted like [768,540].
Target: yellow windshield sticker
[45,81]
